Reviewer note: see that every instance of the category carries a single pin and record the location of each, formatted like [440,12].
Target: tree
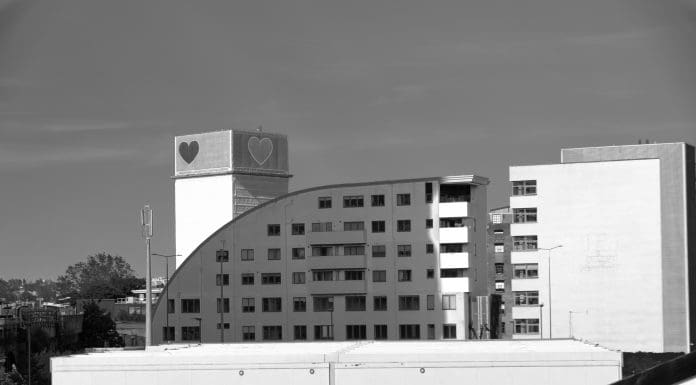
[98,329]
[102,276]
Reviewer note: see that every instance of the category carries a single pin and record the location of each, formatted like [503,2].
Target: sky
[92,93]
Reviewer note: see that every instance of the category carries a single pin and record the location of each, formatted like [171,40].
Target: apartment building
[606,240]
[500,272]
[382,260]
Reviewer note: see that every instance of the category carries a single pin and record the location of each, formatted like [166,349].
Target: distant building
[611,232]
[500,272]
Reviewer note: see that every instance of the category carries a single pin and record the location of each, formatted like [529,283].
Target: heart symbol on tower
[188,151]
[260,149]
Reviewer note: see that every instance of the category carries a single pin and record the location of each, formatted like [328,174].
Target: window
[171,307]
[272,333]
[298,229]
[526,326]
[353,201]
[377,200]
[451,273]
[223,305]
[273,254]
[190,333]
[429,248]
[379,276]
[524,215]
[380,303]
[409,302]
[449,331]
[270,278]
[353,250]
[381,332]
[298,253]
[299,304]
[323,332]
[428,192]
[497,218]
[403,199]
[300,332]
[248,333]
[247,254]
[324,202]
[428,223]
[403,225]
[404,275]
[272,304]
[355,303]
[455,193]
[526,298]
[431,331]
[379,251]
[322,227]
[222,279]
[378,226]
[524,187]
[225,325]
[168,333]
[430,302]
[354,275]
[409,332]
[500,285]
[498,232]
[356,332]
[524,243]
[499,248]
[529,270]
[322,251]
[449,302]
[452,247]
[353,226]
[222,256]
[499,268]
[323,275]
[248,279]
[248,305]
[190,305]
[403,250]
[273,230]
[323,304]
[298,277]
[452,222]
[430,274]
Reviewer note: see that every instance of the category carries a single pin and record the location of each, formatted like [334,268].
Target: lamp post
[541,322]
[200,332]
[549,250]
[166,259]
[146,223]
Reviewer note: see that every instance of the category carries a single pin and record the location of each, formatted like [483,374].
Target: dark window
[248,279]
[273,230]
[248,305]
[322,251]
[190,333]
[222,256]
[499,268]
[168,333]
[379,276]
[298,229]
[353,226]
[524,243]
[524,215]
[323,332]
[354,275]
[449,331]
[452,247]
[323,275]
[272,333]
[247,254]
[321,227]
[222,279]
[409,302]
[355,303]
[377,200]
[225,325]
[378,226]
[428,192]
[223,305]
[379,251]
[298,277]
[272,304]
[353,250]
[403,199]
[451,273]
[409,332]
[356,332]
[248,333]
[380,303]
[323,304]
[324,202]
[429,248]
[430,302]
[298,253]
[403,250]
[526,326]
[452,222]
[431,331]
[403,225]
[404,275]
[353,201]
[300,332]
[190,305]
[524,187]
[526,298]
[299,304]
[270,278]
[171,307]
[455,193]
[524,271]
[428,223]
[381,332]
[430,274]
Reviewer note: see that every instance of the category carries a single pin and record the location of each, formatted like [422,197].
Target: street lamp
[541,322]
[146,223]
[166,259]
[549,250]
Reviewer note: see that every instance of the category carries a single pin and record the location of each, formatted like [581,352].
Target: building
[395,362]
[500,272]
[219,175]
[376,260]
[611,231]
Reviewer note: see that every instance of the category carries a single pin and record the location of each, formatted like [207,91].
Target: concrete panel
[454,235]
[454,260]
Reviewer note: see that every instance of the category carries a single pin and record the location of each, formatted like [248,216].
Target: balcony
[454,285]
[336,237]
[454,260]
[454,235]
[337,262]
[453,209]
[336,287]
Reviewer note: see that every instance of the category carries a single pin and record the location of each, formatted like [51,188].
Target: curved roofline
[469,179]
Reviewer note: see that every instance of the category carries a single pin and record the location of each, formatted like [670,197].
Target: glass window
[190,305]
[526,326]
[449,302]
[526,298]
[409,332]
[499,248]
[455,193]
[431,331]
[430,302]
[247,278]
[321,227]
[524,187]
[452,273]
[500,285]
[272,333]
[272,304]
[430,273]
[248,333]
[353,226]
[355,303]
[298,229]
[324,202]
[524,243]
[429,248]
[380,303]
[403,225]
[379,276]
[270,278]
[452,247]
[273,230]
[377,200]
[524,215]
[298,277]
[452,222]
[299,304]
[356,332]
[353,250]
[379,251]
[428,192]
[322,251]
[353,201]
[403,199]
[354,275]
[323,332]
[222,256]
[300,332]
[409,302]
[323,304]
[449,331]
[190,333]
[298,253]
[381,332]
[403,250]
[428,223]
[223,305]
[273,254]
[248,305]
[525,271]
[499,268]
[171,307]
[247,254]
[404,275]
[323,275]
[378,226]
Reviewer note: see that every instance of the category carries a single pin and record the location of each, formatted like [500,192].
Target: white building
[624,274]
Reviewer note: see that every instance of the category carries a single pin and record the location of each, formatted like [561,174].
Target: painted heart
[188,151]
[260,149]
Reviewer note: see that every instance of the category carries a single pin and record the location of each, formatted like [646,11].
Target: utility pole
[166,288]
[146,222]
[549,250]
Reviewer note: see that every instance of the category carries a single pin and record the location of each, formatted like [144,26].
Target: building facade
[500,272]
[378,260]
[611,233]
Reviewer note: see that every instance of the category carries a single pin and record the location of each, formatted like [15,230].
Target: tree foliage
[98,329]
[102,276]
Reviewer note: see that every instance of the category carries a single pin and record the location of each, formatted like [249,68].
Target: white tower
[219,175]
